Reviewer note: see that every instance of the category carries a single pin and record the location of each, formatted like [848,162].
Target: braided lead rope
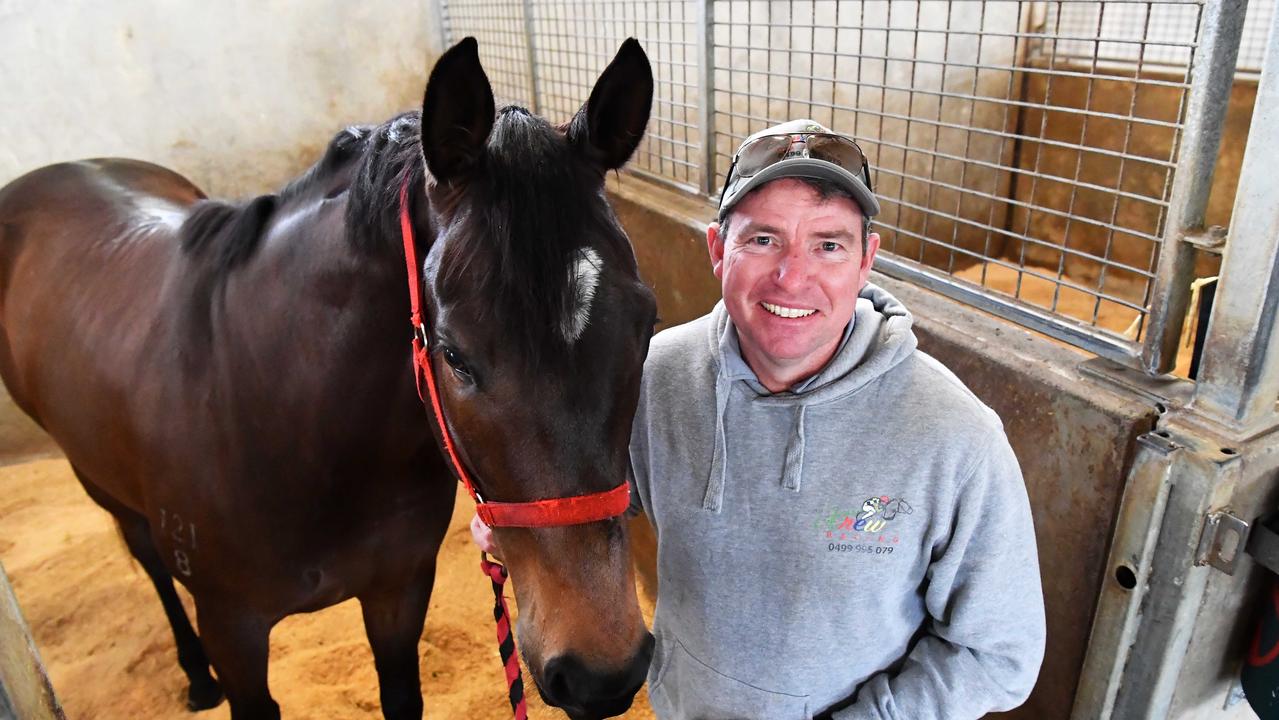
[505,637]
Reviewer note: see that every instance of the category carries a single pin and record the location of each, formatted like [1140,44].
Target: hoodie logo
[877,522]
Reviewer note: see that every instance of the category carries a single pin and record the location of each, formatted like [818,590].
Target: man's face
[791,267]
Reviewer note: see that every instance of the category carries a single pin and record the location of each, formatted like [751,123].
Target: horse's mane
[522,217]
[233,230]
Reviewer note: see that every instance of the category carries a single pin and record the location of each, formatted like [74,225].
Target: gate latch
[1223,541]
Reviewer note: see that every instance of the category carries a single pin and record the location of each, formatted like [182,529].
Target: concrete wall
[237,95]
[1073,436]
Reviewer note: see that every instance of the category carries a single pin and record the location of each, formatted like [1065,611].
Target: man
[842,527]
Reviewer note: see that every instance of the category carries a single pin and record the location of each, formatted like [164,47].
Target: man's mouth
[787,312]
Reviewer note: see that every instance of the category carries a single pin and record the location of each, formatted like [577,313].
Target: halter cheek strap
[552,512]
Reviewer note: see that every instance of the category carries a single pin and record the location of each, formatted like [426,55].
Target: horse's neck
[309,292]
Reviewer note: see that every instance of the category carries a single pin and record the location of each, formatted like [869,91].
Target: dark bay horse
[233,381]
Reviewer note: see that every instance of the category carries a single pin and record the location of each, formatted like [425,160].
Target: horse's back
[84,248]
[73,206]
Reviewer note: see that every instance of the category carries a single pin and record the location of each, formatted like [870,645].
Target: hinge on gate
[1211,239]
[1223,541]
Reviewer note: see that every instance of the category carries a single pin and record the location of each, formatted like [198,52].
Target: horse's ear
[611,123]
[457,112]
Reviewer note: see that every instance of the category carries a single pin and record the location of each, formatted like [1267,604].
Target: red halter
[540,513]
[553,512]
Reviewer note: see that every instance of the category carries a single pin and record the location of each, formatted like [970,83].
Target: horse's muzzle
[585,694]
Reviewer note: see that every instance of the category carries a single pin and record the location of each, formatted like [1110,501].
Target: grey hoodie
[860,544]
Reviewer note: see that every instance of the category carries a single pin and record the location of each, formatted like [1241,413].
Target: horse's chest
[302,550]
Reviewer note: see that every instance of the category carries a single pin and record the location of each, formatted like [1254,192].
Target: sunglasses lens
[767,150]
[761,153]
[837,150]
[843,152]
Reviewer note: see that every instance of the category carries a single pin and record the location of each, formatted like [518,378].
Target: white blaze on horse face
[586,270]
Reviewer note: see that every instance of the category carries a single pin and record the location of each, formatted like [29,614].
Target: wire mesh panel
[1023,150]
[573,41]
[500,28]
[1252,46]
[1152,34]
[1007,152]
[576,40]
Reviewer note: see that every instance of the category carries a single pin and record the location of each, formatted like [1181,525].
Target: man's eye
[829,246]
[761,240]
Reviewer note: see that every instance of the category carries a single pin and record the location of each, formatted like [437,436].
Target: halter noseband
[553,512]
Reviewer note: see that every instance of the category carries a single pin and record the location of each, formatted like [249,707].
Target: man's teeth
[782,311]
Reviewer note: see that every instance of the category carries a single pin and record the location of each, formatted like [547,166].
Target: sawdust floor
[1033,288]
[109,652]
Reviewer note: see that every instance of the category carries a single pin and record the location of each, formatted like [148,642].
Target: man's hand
[483,536]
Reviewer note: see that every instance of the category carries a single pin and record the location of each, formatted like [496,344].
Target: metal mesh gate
[1026,153]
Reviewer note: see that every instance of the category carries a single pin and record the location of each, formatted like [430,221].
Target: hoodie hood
[879,337]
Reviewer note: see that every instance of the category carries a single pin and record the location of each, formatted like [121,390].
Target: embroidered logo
[875,522]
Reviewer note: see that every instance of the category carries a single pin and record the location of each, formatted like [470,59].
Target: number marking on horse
[182,534]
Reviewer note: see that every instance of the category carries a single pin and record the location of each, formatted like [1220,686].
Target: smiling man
[842,528]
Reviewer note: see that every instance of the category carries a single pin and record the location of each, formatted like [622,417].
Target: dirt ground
[110,655]
[1036,290]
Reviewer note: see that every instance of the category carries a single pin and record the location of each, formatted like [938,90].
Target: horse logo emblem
[875,513]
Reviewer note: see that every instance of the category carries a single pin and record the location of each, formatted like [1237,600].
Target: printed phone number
[868,549]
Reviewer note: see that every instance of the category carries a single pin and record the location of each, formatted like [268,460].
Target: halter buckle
[419,334]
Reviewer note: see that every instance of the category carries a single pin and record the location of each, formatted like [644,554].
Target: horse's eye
[455,361]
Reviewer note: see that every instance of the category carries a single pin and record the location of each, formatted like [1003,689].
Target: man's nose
[792,270]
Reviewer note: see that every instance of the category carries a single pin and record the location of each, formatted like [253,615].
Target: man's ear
[868,257]
[715,246]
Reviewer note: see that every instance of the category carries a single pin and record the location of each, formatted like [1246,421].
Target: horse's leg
[203,691]
[393,621]
[237,640]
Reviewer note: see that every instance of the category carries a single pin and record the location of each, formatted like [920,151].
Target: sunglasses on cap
[767,150]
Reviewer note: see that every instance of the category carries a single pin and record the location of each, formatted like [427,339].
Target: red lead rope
[552,512]
[505,638]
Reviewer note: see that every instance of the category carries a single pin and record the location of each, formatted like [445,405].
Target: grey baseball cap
[796,165]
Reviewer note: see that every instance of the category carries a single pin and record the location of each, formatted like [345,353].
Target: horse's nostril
[557,680]
[568,683]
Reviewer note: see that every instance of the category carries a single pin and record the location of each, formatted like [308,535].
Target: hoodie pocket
[688,689]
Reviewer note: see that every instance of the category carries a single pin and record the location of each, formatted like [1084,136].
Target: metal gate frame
[1170,624]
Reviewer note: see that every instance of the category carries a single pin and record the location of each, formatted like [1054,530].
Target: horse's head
[540,327]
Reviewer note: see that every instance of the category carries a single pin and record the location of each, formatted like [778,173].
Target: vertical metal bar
[1210,81]
[532,58]
[442,14]
[1239,377]
[706,91]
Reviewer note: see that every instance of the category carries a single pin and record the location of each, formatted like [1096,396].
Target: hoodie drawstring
[794,468]
[792,472]
[719,467]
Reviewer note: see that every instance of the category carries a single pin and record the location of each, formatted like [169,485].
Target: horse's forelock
[516,255]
